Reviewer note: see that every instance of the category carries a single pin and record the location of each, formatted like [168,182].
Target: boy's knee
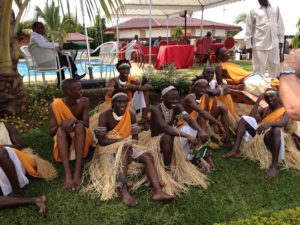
[147,156]
[60,132]
[3,154]
[79,129]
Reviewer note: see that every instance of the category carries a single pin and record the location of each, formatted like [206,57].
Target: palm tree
[52,18]
[241,18]
[12,95]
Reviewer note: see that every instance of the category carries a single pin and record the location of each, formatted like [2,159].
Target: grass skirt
[183,171]
[256,150]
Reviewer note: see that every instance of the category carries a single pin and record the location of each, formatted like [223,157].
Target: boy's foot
[233,154]
[271,173]
[40,202]
[127,198]
[162,196]
[69,184]
[77,180]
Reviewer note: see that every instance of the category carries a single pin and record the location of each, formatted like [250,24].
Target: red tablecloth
[181,55]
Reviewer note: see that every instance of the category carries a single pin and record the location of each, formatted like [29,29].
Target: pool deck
[135,71]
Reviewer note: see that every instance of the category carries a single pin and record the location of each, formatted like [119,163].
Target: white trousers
[266,58]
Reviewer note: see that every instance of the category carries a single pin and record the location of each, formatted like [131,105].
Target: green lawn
[238,190]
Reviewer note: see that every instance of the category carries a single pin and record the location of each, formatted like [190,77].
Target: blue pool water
[22,68]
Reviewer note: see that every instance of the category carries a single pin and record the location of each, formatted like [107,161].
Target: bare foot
[210,162]
[40,202]
[77,180]
[162,196]
[69,184]
[271,173]
[127,198]
[233,154]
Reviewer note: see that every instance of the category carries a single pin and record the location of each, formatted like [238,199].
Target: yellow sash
[61,113]
[228,102]
[274,116]
[235,72]
[123,128]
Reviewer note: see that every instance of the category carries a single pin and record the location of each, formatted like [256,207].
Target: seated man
[138,93]
[175,151]
[264,139]
[234,74]
[37,37]
[69,122]
[222,93]
[117,137]
[13,164]
[202,108]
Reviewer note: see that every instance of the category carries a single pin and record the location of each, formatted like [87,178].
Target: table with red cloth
[181,55]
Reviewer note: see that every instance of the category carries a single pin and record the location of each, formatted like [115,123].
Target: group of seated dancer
[238,78]
[175,152]
[15,162]
[138,93]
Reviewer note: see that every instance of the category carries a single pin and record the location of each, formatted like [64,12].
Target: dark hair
[36,24]
[197,78]
[67,83]
[122,61]
[218,52]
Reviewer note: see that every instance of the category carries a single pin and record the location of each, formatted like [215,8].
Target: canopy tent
[160,8]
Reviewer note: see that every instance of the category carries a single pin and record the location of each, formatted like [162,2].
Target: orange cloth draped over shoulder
[236,73]
[130,81]
[274,116]
[228,102]
[123,127]
[205,104]
[61,113]
[28,162]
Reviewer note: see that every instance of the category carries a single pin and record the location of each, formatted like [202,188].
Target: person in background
[157,41]
[37,37]
[206,45]
[264,38]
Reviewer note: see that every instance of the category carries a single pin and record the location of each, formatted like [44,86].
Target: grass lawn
[238,190]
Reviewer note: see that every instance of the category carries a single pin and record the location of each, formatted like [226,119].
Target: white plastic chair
[107,54]
[46,60]
[28,60]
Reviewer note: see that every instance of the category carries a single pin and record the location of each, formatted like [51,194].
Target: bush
[288,216]
[37,112]
[167,77]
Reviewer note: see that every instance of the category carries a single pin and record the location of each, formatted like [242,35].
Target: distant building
[77,38]
[140,26]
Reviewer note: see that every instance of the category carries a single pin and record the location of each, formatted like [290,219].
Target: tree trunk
[12,93]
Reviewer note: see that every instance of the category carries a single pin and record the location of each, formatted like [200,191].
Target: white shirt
[264,28]
[41,41]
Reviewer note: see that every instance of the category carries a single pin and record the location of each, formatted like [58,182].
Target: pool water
[22,68]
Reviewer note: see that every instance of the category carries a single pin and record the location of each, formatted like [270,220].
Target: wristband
[288,71]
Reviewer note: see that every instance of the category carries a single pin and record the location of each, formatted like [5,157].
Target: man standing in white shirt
[264,36]
[37,37]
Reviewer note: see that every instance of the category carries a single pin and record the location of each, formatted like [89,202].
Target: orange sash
[28,162]
[61,113]
[123,128]
[130,80]
[228,102]
[274,116]
[235,72]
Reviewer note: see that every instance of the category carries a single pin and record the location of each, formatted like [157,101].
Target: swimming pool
[22,68]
